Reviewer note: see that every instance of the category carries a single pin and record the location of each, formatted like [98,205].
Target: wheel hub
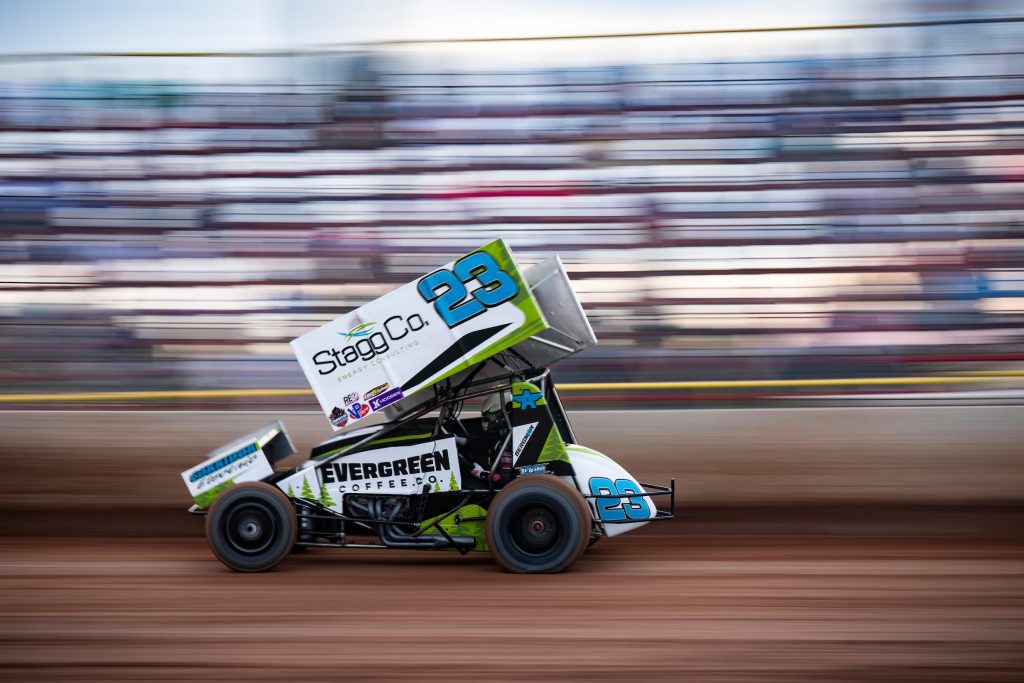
[537,530]
[250,529]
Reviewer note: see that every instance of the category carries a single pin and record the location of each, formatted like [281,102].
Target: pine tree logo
[291,493]
[307,492]
[325,497]
[437,486]
[452,484]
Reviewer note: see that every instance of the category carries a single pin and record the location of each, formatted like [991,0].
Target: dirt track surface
[699,601]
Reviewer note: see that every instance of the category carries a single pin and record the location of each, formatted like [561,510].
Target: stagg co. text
[394,328]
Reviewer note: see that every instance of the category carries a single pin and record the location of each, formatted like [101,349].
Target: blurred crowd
[809,216]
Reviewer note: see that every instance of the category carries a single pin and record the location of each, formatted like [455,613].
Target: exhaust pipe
[393,537]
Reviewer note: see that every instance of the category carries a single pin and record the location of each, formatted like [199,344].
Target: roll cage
[448,399]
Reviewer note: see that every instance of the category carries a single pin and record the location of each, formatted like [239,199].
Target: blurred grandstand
[850,212]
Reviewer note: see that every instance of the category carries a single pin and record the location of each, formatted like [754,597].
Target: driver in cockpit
[494,441]
[496,429]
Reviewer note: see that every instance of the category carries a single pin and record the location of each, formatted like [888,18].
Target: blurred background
[784,204]
[805,217]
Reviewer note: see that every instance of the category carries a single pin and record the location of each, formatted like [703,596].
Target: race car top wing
[568,329]
[419,334]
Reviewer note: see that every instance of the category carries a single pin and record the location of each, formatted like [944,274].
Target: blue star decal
[527,399]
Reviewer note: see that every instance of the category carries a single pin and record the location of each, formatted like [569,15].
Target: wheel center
[538,526]
[251,530]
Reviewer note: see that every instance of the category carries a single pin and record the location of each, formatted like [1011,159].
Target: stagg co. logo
[370,342]
[364,330]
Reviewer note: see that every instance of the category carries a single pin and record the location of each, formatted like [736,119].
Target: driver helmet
[493,418]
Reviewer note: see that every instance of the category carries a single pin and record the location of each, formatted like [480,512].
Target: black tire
[538,524]
[251,527]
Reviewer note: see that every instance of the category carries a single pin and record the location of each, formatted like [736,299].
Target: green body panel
[554,448]
[464,522]
[536,410]
[517,390]
[584,449]
[204,499]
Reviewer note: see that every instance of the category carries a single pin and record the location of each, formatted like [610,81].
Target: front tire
[251,527]
[538,524]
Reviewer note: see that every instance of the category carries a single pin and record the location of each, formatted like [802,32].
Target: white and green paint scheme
[241,460]
[373,358]
[417,335]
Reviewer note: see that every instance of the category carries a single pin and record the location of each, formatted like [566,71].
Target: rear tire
[251,527]
[538,524]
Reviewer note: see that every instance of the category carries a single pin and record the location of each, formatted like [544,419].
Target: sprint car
[465,447]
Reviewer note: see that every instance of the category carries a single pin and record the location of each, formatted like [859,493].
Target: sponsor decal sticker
[525,439]
[400,472]
[376,391]
[223,462]
[246,463]
[386,399]
[371,343]
[338,417]
[532,469]
[398,469]
[527,399]
[351,398]
[358,411]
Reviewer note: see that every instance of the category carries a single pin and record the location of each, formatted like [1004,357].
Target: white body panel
[400,470]
[239,461]
[248,463]
[598,474]
[390,348]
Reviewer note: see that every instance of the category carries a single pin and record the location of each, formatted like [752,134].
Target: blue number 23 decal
[447,288]
[619,507]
